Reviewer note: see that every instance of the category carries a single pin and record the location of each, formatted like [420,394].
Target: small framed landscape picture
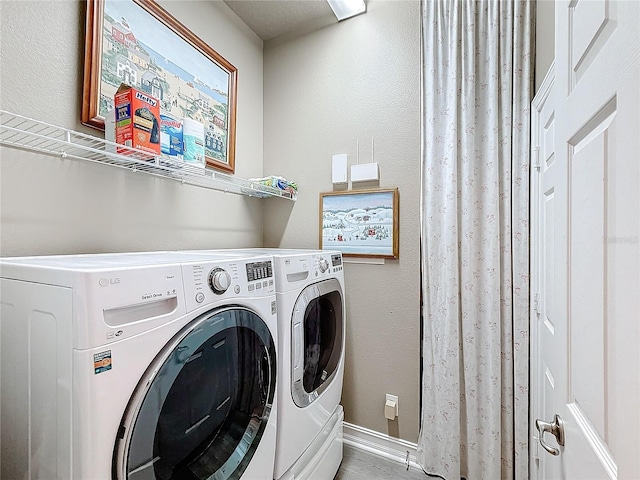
[360,223]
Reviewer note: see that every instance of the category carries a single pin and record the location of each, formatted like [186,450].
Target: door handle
[556,428]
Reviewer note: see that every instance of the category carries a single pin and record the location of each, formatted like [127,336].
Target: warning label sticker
[102,361]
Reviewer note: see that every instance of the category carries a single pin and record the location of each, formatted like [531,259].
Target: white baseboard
[380,444]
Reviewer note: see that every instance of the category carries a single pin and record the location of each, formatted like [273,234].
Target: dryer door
[202,407]
[316,340]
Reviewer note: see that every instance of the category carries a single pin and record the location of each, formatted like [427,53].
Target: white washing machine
[310,292]
[138,366]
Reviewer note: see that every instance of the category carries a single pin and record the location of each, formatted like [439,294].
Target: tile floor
[361,465]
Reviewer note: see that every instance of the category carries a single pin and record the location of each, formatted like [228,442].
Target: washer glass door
[203,405]
[317,340]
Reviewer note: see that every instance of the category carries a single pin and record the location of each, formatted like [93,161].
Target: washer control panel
[206,282]
[325,264]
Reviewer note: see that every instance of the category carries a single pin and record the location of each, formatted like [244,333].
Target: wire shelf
[26,133]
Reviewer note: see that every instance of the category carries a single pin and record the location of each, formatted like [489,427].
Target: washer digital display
[259,270]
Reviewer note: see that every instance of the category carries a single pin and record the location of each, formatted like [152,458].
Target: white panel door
[548,377]
[593,297]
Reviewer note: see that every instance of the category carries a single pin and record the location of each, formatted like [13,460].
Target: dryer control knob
[219,280]
[323,265]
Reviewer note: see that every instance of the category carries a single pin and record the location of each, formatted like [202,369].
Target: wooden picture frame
[139,43]
[361,223]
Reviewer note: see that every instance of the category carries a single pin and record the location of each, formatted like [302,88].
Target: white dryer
[138,366]
[310,292]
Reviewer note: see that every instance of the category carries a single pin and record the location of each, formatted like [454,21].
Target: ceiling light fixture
[344,9]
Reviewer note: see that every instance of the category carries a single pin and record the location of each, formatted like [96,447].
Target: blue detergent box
[171,136]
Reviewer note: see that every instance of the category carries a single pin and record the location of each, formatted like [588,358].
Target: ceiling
[272,18]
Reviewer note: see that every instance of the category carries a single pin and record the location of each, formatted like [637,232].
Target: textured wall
[48,205]
[545,38]
[324,89]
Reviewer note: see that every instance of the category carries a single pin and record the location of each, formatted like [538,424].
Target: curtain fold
[477,81]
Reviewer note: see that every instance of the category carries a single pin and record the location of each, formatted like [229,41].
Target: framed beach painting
[139,43]
[360,223]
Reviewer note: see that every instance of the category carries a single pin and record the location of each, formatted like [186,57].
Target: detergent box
[171,142]
[137,118]
[193,135]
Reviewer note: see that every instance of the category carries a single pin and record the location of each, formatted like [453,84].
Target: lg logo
[105,282]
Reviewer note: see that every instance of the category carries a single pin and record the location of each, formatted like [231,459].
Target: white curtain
[477,80]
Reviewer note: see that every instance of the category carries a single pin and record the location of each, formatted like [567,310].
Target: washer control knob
[323,265]
[219,280]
